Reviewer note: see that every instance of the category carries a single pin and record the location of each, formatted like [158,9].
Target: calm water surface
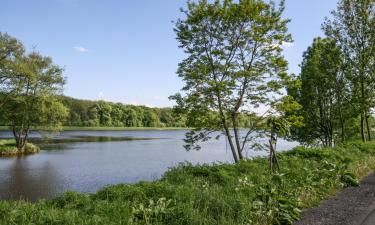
[87,166]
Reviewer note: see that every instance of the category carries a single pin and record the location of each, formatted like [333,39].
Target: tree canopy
[323,94]
[233,66]
[29,91]
[353,28]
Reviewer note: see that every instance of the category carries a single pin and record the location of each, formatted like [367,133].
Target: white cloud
[80,49]
[100,94]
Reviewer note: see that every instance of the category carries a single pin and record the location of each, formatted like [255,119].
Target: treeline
[337,78]
[234,64]
[108,114]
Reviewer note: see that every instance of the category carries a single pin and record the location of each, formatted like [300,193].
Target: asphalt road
[351,206]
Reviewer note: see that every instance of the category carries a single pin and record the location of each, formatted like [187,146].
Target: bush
[8,148]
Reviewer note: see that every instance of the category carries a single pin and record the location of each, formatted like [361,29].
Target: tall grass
[246,193]
[8,148]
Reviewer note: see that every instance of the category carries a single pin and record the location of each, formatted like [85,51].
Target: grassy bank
[222,194]
[8,148]
[67,128]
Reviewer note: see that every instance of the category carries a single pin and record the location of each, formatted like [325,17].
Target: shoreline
[217,194]
[77,128]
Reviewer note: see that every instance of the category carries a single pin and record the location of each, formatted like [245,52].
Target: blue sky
[125,51]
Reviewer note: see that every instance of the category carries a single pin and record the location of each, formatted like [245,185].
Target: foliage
[8,148]
[10,50]
[33,103]
[243,193]
[29,84]
[107,114]
[233,66]
[323,95]
[86,113]
[151,214]
[353,28]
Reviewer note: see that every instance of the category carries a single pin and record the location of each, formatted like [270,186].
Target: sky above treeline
[126,51]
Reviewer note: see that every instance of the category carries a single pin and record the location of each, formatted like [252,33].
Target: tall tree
[278,125]
[353,28]
[234,64]
[10,50]
[34,103]
[322,93]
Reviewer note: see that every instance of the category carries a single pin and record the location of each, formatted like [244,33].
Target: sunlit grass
[8,148]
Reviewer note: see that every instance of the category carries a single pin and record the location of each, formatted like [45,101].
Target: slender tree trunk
[331,138]
[20,135]
[237,136]
[367,126]
[323,123]
[231,145]
[273,161]
[342,132]
[363,109]
[362,128]
[342,125]
[229,136]
[226,129]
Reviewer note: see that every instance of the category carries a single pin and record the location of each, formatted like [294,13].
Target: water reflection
[65,139]
[40,182]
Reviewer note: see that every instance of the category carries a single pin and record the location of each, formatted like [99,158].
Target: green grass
[8,148]
[245,193]
[71,128]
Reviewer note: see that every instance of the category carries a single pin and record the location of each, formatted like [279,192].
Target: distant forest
[107,114]
[88,113]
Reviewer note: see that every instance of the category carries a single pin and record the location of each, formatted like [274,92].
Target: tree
[150,119]
[353,28]
[92,114]
[233,66]
[277,125]
[104,110]
[166,118]
[34,102]
[117,115]
[323,94]
[130,117]
[10,50]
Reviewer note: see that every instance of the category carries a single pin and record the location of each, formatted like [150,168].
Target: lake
[85,161]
